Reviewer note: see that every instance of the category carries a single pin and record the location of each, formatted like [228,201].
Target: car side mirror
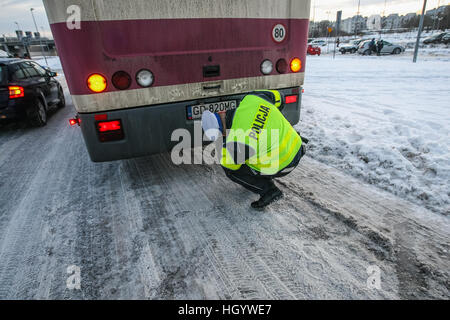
[50,73]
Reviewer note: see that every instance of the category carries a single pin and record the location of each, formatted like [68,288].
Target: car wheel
[353,50]
[397,51]
[62,99]
[37,115]
[343,52]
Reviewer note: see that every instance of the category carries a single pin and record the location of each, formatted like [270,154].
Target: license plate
[195,112]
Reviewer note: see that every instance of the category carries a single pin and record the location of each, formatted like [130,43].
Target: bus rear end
[138,70]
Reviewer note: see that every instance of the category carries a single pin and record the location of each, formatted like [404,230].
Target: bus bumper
[148,130]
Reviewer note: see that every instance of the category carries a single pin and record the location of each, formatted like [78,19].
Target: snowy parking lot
[372,194]
[384,120]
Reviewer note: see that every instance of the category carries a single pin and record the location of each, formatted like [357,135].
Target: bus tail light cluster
[16,92]
[281,66]
[121,80]
[110,130]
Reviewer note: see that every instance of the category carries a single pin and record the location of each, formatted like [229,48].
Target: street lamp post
[46,43]
[328,32]
[357,18]
[416,49]
[17,24]
[40,40]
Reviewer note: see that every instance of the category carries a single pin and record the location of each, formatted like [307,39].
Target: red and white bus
[139,69]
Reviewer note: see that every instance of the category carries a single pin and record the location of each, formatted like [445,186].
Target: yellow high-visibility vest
[260,127]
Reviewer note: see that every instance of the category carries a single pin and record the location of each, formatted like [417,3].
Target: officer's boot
[272,195]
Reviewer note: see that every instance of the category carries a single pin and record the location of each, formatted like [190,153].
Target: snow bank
[383,119]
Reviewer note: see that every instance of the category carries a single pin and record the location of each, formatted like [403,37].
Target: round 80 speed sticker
[279,33]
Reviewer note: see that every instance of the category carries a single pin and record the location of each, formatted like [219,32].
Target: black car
[446,39]
[28,90]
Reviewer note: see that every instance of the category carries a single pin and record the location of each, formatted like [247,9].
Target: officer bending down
[259,146]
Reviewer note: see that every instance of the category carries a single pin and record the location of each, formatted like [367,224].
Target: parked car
[388,48]
[313,50]
[319,43]
[436,38]
[350,47]
[4,54]
[446,38]
[28,90]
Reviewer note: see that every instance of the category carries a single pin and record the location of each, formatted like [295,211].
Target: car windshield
[3,77]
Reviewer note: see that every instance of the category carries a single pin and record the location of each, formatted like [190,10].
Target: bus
[138,70]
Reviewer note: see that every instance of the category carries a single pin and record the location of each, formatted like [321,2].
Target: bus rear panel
[201,54]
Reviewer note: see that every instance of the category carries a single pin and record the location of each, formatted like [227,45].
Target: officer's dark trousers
[255,181]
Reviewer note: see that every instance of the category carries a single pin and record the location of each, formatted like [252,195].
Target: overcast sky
[19,11]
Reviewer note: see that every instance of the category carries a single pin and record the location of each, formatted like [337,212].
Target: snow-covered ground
[148,229]
[384,120]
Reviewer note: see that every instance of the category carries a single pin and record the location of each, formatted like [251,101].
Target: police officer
[259,146]
[380,46]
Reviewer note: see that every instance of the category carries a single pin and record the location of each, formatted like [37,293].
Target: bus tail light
[266,67]
[97,83]
[145,78]
[74,121]
[291,99]
[296,65]
[101,117]
[110,130]
[121,80]
[282,66]
[16,92]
